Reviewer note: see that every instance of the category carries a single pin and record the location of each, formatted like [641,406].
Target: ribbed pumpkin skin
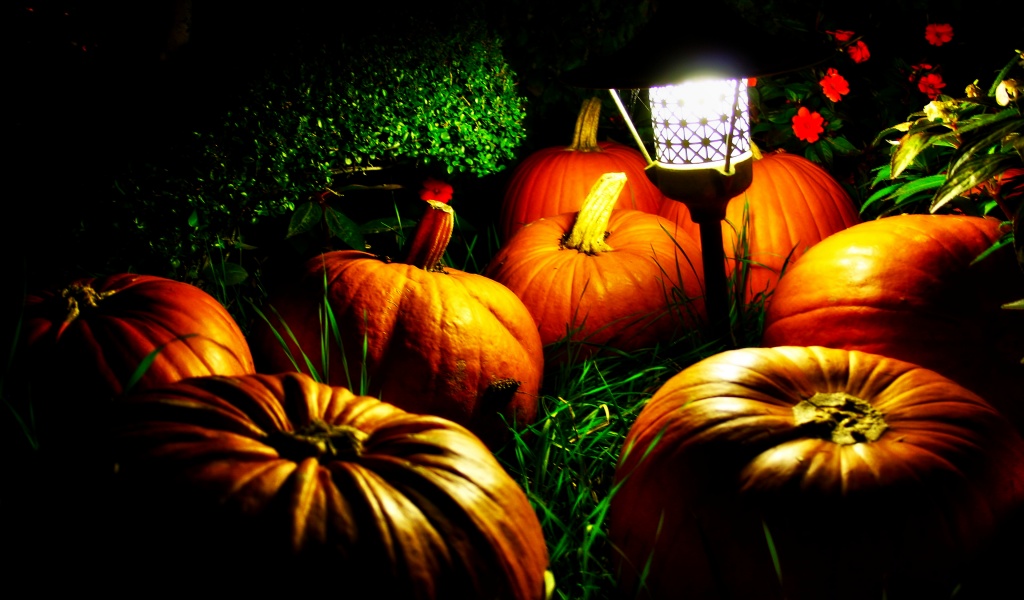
[716,458]
[903,287]
[793,204]
[417,507]
[93,356]
[623,298]
[442,343]
[556,180]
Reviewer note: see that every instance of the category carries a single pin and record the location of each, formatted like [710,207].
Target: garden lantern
[695,68]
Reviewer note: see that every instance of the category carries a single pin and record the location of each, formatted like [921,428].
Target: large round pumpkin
[427,338]
[89,340]
[555,180]
[277,483]
[603,277]
[810,473]
[791,205]
[907,287]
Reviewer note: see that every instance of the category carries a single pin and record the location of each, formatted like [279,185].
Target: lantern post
[695,73]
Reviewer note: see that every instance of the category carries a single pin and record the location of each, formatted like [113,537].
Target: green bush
[321,116]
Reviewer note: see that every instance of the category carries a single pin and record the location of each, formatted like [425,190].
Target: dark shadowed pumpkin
[435,339]
[604,277]
[808,473]
[555,180]
[907,287]
[791,205]
[277,483]
[86,341]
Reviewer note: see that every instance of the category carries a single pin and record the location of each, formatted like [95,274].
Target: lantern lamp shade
[700,123]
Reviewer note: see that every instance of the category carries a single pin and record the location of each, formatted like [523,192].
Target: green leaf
[1015,305]
[910,146]
[843,145]
[1006,240]
[147,361]
[193,219]
[225,273]
[969,174]
[344,228]
[885,192]
[386,225]
[305,217]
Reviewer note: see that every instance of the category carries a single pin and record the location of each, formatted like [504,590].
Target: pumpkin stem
[755,151]
[840,417]
[591,227]
[432,237]
[585,137]
[319,440]
[78,295]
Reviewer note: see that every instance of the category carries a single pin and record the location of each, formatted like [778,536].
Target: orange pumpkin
[435,339]
[907,287]
[791,205]
[86,341]
[261,483]
[603,277]
[555,180]
[807,473]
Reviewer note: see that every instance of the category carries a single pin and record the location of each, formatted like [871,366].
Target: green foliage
[320,119]
[950,154]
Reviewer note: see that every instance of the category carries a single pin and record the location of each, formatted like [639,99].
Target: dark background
[94,85]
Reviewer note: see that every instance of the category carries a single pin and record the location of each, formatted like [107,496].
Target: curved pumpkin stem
[585,137]
[432,236]
[758,155]
[78,295]
[320,440]
[591,226]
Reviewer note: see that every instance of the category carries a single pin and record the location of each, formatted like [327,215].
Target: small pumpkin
[603,277]
[907,286]
[86,341]
[276,483]
[426,337]
[555,180]
[809,473]
[791,205]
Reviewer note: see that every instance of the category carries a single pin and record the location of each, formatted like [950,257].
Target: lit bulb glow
[693,122]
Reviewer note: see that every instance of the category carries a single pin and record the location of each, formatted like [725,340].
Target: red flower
[434,189]
[938,34]
[807,125]
[858,51]
[834,85]
[751,81]
[841,35]
[918,69]
[931,84]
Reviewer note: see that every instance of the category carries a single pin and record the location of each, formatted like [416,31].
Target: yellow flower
[938,111]
[1008,91]
[973,91]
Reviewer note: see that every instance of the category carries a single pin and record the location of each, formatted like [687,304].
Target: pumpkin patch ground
[296,306]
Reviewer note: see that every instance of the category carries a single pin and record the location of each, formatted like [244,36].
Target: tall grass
[566,460]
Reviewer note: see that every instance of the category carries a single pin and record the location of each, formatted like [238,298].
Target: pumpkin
[555,180]
[791,205]
[427,338]
[264,483]
[603,277]
[907,286]
[862,475]
[86,342]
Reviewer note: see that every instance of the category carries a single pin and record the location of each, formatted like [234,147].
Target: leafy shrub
[323,114]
